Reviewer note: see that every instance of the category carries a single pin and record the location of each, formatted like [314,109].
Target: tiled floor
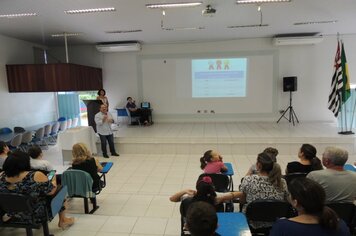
[135,201]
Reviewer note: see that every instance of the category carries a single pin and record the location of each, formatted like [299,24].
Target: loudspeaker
[290,84]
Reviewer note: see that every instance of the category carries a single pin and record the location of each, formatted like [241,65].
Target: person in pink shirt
[211,163]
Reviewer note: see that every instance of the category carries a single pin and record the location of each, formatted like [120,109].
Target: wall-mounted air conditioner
[124,46]
[298,40]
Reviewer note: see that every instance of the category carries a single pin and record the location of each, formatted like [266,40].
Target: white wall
[312,64]
[21,109]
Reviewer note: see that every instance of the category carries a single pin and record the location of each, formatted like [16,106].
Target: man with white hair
[339,184]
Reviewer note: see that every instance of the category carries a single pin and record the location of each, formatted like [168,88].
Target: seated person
[205,192]
[37,162]
[135,111]
[211,163]
[307,161]
[273,152]
[201,219]
[4,151]
[82,160]
[314,218]
[17,177]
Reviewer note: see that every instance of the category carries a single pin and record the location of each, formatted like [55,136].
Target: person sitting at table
[17,177]
[267,184]
[4,151]
[135,111]
[37,162]
[211,163]
[201,219]
[102,96]
[307,161]
[314,218]
[272,152]
[205,192]
[83,160]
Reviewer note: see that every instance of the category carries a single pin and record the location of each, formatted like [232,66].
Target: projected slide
[219,77]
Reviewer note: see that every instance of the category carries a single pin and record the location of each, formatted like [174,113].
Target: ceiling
[133,15]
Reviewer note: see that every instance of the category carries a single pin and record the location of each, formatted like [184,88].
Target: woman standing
[102,96]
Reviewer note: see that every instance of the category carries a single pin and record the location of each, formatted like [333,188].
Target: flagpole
[353,113]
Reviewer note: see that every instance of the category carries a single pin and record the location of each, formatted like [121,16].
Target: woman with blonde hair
[83,160]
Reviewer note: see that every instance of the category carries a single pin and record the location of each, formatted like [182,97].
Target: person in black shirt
[307,161]
[135,111]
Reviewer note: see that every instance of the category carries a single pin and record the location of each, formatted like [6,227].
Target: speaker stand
[291,111]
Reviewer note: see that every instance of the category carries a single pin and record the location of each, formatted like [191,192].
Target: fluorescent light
[92,10]
[18,15]
[316,22]
[247,26]
[66,34]
[123,31]
[183,28]
[173,5]
[259,1]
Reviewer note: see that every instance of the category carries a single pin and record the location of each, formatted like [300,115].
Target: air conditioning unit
[298,40]
[124,46]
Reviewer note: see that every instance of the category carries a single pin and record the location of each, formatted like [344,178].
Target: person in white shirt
[37,162]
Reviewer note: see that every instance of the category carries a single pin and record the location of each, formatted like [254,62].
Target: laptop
[145,105]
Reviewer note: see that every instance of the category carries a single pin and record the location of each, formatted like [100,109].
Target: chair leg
[29,232]
[86,206]
[45,229]
[95,206]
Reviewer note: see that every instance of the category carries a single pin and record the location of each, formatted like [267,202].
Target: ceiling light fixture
[246,26]
[92,10]
[65,34]
[316,22]
[173,5]
[18,15]
[183,28]
[123,31]
[259,1]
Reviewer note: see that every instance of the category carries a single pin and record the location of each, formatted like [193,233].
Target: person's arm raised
[177,196]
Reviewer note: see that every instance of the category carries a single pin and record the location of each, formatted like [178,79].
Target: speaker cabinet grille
[290,84]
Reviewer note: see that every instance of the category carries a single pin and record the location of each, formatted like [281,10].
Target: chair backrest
[268,210]
[5,130]
[79,183]
[220,181]
[291,176]
[69,123]
[75,122]
[62,125]
[55,128]
[47,130]
[18,129]
[346,211]
[61,119]
[13,202]
[26,137]
[39,133]
[16,140]
[183,208]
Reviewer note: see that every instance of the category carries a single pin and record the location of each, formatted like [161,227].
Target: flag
[345,90]
[334,103]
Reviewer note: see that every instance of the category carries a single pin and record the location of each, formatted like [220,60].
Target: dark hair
[272,152]
[128,98]
[3,145]
[205,158]
[201,219]
[272,168]
[16,163]
[309,152]
[311,196]
[34,151]
[100,91]
[205,191]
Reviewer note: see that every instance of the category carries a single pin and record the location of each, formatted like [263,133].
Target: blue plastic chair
[61,119]
[5,130]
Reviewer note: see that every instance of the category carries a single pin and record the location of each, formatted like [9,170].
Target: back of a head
[205,158]
[311,197]
[201,219]
[309,152]
[272,168]
[16,163]
[272,152]
[336,156]
[80,151]
[205,190]
[34,152]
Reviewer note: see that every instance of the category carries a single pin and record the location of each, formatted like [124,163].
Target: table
[230,173]
[232,224]
[81,134]
[350,167]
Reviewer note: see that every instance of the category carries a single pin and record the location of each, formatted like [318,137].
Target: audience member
[201,219]
[18,178]
[205,192]
[103,120]
[314,218]
[37,162]
[83,160]
[102,96]
[339,184]
[307,161]
[272,152]
[135,111]
[211,163]
[4,151]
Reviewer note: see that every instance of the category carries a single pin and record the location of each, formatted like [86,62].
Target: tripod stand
[292,114]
